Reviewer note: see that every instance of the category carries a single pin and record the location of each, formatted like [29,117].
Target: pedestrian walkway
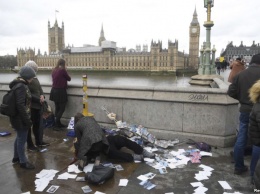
[59,155]
[225,74]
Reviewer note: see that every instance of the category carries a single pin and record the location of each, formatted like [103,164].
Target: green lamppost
[208,24]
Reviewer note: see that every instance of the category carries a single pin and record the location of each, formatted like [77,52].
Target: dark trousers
[36,128]
[117,142]
[59,110]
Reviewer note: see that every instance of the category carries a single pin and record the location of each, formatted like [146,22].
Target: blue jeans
[254,159]
[241,140]
[19,144]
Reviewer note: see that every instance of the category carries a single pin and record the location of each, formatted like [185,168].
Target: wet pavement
[59,155]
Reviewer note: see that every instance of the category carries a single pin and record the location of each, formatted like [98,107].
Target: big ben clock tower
[194,42]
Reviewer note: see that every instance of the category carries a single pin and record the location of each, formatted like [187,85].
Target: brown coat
[235,67]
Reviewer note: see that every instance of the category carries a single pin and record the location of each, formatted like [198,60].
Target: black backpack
[8,106]
[99,174]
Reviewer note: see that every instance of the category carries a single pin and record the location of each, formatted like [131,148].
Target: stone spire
[194,21]
[102,36]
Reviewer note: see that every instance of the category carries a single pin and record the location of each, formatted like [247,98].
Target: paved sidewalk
[59,155]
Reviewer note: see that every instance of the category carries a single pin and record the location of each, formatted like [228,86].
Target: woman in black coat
[254,125]
[21,122]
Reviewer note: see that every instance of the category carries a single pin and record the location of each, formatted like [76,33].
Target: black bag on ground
[49,121]
[202,146]
[8,107]
[99,174]
[48,117]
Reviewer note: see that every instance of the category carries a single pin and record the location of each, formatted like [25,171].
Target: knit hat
[32,64]
[255,59]
[27,72]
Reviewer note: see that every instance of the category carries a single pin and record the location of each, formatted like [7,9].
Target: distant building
[108,56]
[244,52]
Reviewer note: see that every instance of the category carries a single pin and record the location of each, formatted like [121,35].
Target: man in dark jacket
[239,90]
[91,142]
[218,65]
[21,122]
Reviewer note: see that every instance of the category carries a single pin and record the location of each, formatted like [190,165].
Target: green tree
[8,62]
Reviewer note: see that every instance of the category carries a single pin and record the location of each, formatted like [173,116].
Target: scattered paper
[43,178]
[108,165]
[74,168]
[163,171]
[150,175]
[148,159]
[123,182]
[201,190]
[142,178]
[206,168]
[44,150]
[147,185]
[88,168]
[197,184]
[66,176]
[118,167]
[52,189]
[224,184]
[98,192]
[80,179]
[86,189]
[203,175]
[203,153]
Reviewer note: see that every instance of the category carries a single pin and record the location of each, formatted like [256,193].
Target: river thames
[140,79]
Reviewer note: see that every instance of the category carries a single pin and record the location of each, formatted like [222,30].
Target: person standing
[21,122]
[58,94]
[218,65]
[36,111]
[254,126]
[236,66]
[239,90]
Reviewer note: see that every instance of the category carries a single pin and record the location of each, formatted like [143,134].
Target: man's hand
[41,99]
[82,164]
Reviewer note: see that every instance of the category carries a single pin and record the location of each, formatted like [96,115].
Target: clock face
[194,30]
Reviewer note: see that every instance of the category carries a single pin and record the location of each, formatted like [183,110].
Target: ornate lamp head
[206,2]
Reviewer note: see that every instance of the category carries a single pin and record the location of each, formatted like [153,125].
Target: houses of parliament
[107,56]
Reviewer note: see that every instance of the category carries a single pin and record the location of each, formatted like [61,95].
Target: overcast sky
[24,23]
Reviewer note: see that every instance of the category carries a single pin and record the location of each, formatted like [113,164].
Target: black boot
[59,124]
[27,165]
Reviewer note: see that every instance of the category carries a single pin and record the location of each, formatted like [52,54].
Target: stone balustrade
[201,114]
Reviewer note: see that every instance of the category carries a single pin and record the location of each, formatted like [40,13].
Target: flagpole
[56,11]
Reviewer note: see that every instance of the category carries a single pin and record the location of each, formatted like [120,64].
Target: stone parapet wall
[201,114]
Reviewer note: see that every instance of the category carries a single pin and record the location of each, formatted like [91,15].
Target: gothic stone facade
[107,56]
[244,52]
[101,58]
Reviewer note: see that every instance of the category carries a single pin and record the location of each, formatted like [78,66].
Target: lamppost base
[88,114]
